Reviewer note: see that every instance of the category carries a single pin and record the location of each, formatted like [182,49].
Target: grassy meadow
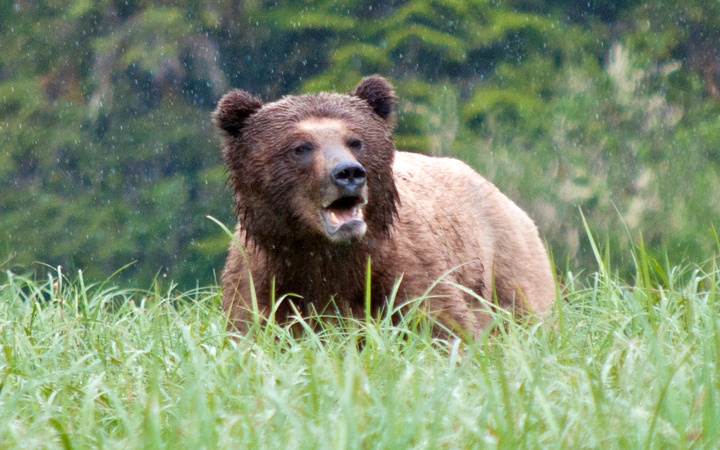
[621,364]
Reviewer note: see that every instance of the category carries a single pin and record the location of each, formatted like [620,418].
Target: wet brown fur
[426,217]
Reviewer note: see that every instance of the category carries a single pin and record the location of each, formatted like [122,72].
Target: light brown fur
[426,217]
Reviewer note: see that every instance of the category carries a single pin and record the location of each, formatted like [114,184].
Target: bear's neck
[318,270]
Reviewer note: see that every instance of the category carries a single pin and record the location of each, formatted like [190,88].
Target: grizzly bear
[321,194]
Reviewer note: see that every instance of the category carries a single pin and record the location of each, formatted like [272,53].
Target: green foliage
[107,155]
[107,148]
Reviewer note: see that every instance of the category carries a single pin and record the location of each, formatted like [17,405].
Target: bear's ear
[234,109]
[379,93]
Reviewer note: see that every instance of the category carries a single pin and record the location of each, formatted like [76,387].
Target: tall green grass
[620,364]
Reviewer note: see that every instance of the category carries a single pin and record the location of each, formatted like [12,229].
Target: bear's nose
[349,175]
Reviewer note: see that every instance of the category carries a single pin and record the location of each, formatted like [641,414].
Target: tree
[107,154]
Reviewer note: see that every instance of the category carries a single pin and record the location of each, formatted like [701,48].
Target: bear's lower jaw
[344,225]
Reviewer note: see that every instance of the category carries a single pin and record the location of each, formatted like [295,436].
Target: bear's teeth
[333,218]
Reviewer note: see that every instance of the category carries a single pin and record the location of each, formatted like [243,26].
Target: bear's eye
[354,144]
[302,149]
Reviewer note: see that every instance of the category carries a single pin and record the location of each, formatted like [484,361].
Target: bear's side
[455,224]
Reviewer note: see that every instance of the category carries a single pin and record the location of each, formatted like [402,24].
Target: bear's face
[332,201]
[312,166]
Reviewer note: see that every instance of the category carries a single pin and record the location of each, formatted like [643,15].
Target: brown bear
[320,189]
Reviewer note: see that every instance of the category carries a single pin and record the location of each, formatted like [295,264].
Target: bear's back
[453,219]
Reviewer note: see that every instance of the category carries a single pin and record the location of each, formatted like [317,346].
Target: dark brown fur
[426,217]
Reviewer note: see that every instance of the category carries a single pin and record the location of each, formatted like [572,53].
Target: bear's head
[312,167]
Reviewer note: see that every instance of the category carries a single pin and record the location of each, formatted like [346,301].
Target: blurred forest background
[108,156]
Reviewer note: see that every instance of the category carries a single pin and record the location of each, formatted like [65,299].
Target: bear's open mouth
[344,211]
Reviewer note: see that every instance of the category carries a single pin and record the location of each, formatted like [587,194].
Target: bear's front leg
[243,285]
